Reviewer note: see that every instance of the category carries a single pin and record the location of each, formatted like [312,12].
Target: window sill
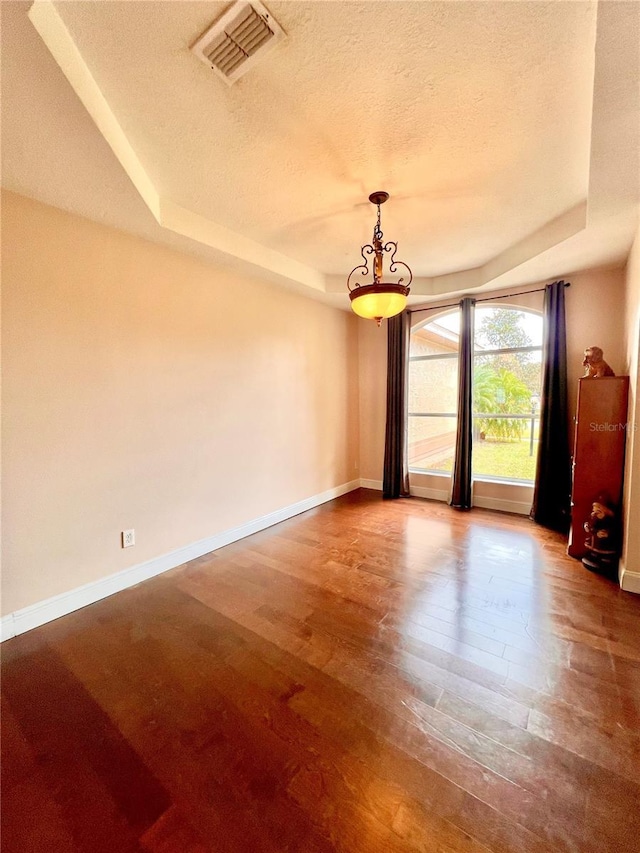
[484,478]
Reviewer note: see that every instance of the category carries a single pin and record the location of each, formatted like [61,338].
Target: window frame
[490,478]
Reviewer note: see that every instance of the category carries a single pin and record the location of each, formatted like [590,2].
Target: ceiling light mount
[381,299]
[379,197]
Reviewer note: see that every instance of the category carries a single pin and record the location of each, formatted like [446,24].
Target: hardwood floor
[368,677]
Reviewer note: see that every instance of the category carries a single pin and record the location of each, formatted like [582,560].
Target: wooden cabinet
[598,452]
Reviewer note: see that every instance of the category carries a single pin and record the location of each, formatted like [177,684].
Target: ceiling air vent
[238,40]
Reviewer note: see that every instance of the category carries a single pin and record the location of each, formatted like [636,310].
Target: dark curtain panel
[395,483]
[461,481]
[551,497]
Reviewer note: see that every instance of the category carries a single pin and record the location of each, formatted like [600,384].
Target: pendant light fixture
[380,299]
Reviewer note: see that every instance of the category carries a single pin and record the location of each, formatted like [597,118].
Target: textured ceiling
[492,125]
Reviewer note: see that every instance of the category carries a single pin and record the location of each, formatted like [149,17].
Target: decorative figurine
[594,364]
[602,542]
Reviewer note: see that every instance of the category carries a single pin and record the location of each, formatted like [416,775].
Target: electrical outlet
[128,538]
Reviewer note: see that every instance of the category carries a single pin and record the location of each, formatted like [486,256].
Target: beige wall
[631,552]
[145,389]
[587,323]
[595,310]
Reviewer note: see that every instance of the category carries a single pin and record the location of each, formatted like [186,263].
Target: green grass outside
[499,459]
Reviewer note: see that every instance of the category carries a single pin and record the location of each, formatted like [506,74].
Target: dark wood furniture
[598,452]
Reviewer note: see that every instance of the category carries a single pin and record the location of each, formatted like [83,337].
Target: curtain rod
[486,299]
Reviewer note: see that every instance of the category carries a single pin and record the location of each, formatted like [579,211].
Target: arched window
[507,375]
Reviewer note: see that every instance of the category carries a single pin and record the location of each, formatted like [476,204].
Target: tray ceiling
[506,133]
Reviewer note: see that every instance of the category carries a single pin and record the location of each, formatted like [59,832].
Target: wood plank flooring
[368,677]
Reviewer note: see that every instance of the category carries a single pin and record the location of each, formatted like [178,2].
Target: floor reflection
[482,597]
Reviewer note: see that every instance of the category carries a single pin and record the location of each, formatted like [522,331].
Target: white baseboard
[430,494]
[518,507]
[59,605]
[371,484]
[629,581]
[7,629]
[416,491]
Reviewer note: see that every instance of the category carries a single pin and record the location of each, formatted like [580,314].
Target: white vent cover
[238,40]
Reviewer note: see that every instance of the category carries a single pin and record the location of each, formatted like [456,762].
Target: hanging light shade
[380,299]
